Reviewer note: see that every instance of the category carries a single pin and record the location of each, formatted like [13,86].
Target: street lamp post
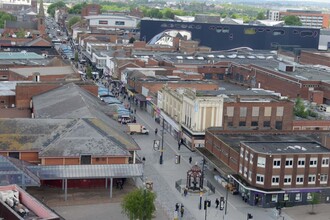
[162,146]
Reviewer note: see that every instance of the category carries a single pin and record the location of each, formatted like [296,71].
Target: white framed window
[301,162]
[324,178]
[288,162]
[286,197]
[240,168]
[325,162]
[261,161]
[313,162]
[300,179]
[245,171]
[274,198]
[287,180]
[260,179]
[242,151]
[251,158]
[311,179]
[275,180]
[246,155]
[277,163]
[250,175]
[298,197]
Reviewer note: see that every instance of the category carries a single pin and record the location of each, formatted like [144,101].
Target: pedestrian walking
[185,192]
[135,111]
[156,131]
[177,207]
[179,145]
[182,210]
[217,202]
[190,159]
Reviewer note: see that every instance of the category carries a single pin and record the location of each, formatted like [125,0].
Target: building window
[274,198]
[14,155]
[254,123]
[242,111]
[245,172]
[275,180]
[286,197]
[298,197]
[301,162]
[242,124]
[325,162]
[278,125]
[289,163]
[279,111]
[86,159]
[103,22]
[260,179]
[261,162]
[241,168]
[255,111]
[120,23]
[230,111]
[242,151]
[251,158]
[313,162]
[230,124]
[287,180]
[276,163]
[268,111]
[250,175]
[311,179]
[246,155]
[324,178]
[300,179]
[250,31]
[266,124]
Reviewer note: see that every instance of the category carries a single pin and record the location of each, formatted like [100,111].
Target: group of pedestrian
[179,207]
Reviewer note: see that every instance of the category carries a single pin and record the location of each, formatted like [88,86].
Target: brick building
[91,9]
[271,168]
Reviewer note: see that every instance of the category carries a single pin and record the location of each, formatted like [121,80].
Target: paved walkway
[164,177]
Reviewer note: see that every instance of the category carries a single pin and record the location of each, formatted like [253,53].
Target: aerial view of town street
[157,110]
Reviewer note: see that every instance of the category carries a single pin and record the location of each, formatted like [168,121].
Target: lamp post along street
[162,147]
[226,203]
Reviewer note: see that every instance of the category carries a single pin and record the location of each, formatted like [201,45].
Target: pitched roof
[44,71]
[74,102]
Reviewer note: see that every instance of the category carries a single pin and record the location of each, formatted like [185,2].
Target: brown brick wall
[7,101]
[313,58]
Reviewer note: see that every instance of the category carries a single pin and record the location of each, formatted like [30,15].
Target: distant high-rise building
[273,15]
[309,18]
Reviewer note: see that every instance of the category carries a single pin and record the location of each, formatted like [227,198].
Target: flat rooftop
[233,139]
[286,147]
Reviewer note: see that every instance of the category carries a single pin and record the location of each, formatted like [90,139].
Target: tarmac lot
[322,212]
[86,204]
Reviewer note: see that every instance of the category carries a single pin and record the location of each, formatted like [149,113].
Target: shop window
[286,197]
[298,197]
[274,198]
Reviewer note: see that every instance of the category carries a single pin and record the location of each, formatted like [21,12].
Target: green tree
[20,33]
[292,20]
[89,72]
[261,16]
[299,109]
[315,200]
[5,17]
[73,21]
[76,9]
[139,204]
[52,7]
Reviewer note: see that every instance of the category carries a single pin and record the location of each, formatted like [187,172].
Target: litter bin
[177,159]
